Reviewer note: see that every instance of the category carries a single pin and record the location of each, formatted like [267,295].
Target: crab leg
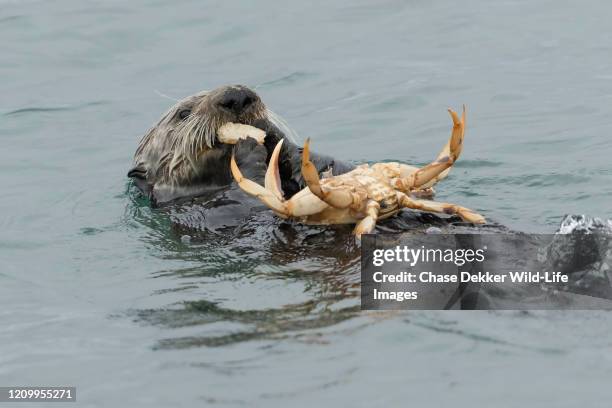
[302,204]
[337,198]
[366,225]
[430,174]
[446,208]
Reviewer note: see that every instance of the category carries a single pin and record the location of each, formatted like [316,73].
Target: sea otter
[180,157]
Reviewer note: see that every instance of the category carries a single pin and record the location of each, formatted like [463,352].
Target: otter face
[226,104]
[180,155]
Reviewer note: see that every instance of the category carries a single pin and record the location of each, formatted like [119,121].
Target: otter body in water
[180,156]
[180,161]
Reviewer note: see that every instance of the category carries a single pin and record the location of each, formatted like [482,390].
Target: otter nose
[237,99]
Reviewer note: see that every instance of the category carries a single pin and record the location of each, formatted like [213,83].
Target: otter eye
[184,113]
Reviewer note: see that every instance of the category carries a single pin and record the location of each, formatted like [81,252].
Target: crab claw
[272,180]
[337,198]
[272,197]
[455,144]
[435,171]
[301,204]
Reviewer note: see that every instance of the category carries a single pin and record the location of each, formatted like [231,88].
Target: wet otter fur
[181,166]
[180,157]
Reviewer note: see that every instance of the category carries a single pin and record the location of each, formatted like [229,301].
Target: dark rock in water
[580,242]
[582,248]
[583,223]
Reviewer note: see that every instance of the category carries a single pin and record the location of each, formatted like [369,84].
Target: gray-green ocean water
[96,291]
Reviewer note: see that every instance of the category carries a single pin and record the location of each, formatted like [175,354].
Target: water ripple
[51,109]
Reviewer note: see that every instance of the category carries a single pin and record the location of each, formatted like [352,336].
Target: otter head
[180,156]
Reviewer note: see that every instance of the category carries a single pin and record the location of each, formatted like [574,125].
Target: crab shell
[363,195]
[364,184]
[231,133]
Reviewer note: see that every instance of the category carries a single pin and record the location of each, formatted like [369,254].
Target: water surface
[98,291]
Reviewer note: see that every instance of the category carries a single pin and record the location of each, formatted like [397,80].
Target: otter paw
[251,157]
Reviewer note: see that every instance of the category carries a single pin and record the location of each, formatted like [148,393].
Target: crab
[364,195]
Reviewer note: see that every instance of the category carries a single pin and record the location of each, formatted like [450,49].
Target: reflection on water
[324,260]
[260,247]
